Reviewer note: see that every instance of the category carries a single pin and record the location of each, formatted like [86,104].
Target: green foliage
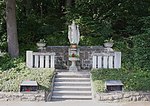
[141,50]
[23,48]
[13,71]
[127,54]
[2,26]
[39,20]
[11,79]
[132,80]
[98,20]
[6,62]
[144,22]
[99,86]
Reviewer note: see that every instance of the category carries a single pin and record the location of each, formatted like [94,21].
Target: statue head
[73,24]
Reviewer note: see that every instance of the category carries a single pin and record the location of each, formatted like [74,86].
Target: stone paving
[73,103]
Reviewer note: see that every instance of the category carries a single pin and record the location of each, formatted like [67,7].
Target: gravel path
[73,103]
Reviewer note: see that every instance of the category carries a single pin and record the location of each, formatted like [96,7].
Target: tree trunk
[12,39]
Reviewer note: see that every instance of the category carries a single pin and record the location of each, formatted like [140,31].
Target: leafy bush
[127,55]
[14,71]
[132,80]
[99,85]
[141,51]
[6,62]
[11,79]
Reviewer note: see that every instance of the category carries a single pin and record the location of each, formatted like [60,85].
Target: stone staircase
[72,86]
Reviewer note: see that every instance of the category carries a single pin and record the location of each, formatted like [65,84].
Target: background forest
[127,22]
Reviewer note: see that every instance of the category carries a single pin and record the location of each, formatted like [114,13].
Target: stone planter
[108,44]
[73,66]
[41,45]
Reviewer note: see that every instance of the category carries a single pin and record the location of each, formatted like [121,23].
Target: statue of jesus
[73,33]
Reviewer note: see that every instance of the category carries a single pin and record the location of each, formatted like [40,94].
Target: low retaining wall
[123,96]
[17,96]
[107,97]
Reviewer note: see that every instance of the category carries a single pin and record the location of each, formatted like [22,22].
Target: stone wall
[85,52]
[17,96]
[107,97]
[123,96]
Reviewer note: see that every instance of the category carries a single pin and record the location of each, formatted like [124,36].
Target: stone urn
[108,44]
[73,57]
[73,66]
[41,45]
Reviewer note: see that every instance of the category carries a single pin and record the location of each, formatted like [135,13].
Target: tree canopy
[127,22]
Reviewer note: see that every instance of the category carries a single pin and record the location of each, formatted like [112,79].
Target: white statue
[73,33]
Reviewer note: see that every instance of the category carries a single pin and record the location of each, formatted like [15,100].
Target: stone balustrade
[107,60]
[40,59]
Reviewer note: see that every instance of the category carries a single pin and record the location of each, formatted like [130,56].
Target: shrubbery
[141,51]
[6,63]
[13,72]
[134,80]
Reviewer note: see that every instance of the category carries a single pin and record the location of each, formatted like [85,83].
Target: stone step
[61,70]
[72,88]
[62,79]
[84,93]
[69,71]
[69,97]
[72,84]
[73,73]
[72,76]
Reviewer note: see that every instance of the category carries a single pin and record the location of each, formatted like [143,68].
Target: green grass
[135,80]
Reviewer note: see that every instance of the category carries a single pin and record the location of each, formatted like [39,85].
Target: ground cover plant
[13,72]
[133,80]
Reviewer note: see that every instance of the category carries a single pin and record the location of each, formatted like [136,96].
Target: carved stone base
[73,67]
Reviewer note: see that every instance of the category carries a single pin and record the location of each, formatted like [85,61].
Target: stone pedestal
[73,57]
[73,66]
